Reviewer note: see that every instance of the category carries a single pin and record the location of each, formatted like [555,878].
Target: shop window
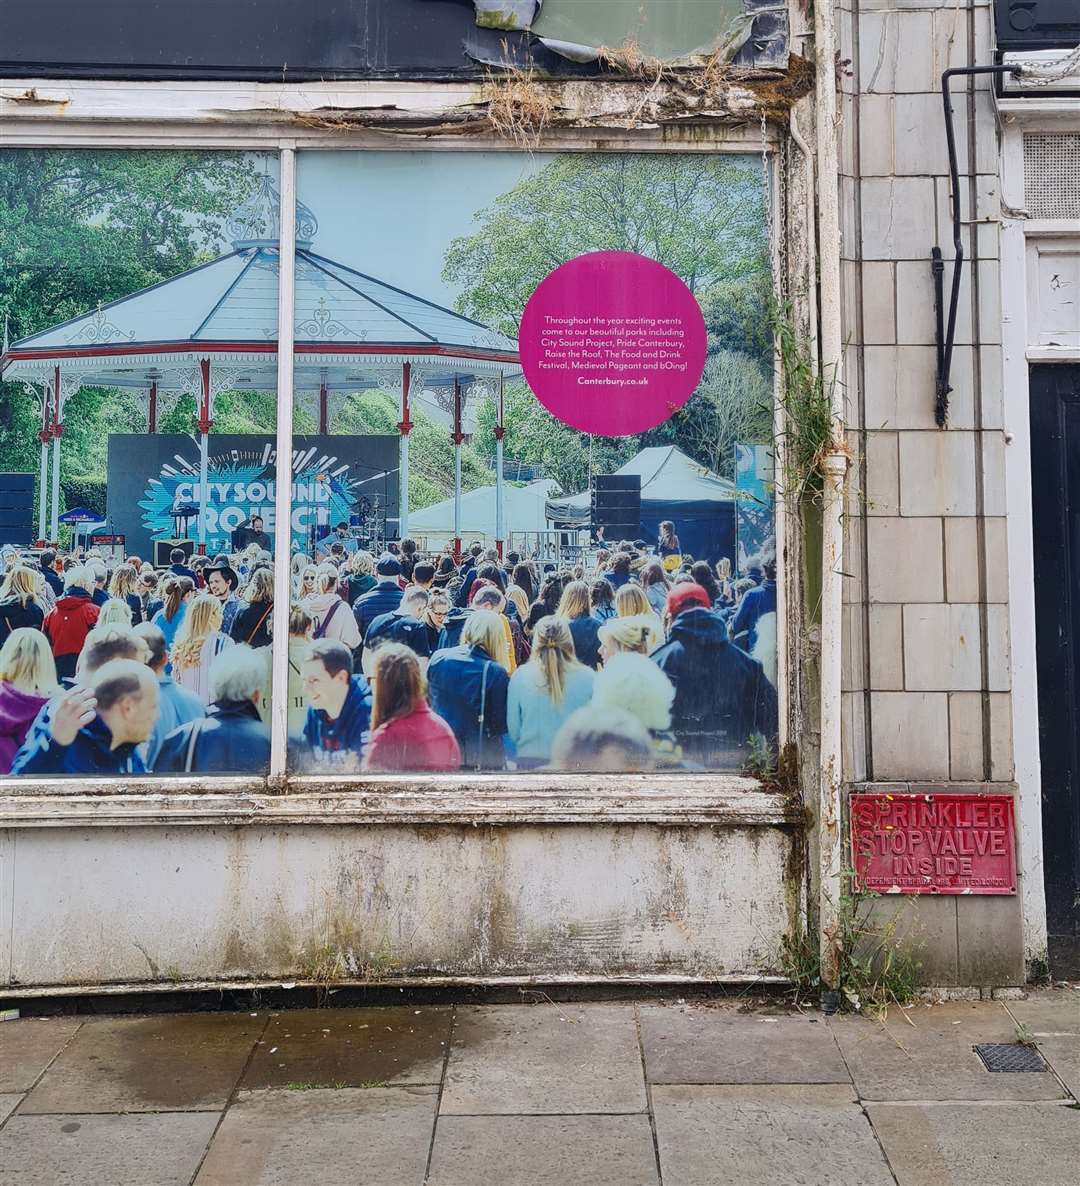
[533,513]
[139,298]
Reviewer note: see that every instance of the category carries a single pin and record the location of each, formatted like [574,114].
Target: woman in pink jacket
[405,733]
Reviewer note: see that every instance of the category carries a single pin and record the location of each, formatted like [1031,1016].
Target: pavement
[645,1093]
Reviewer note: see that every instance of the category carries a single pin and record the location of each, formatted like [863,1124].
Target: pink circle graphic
[612,343]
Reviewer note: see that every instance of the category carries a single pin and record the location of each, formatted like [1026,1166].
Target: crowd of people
[409,661]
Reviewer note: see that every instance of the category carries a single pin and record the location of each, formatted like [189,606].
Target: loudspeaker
[162,548]
[615,504]
[17,509]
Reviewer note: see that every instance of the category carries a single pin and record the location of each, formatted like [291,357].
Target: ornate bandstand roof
[351,329]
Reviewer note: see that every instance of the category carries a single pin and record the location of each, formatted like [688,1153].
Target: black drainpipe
[946,334]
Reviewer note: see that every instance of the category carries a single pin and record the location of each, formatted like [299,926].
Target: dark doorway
[1055,469]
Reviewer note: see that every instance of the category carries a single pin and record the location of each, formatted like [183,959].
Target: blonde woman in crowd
[115,612]
[544,692]
[488,597]
[576,608]
[301,629]
[251,625]
[638,635]
[299,567]
[632,602]
[21,602]
[27,680]
[332,617]
[361,569]
[198,643]
[632,683]
[125,586]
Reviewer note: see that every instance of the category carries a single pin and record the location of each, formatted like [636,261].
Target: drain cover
[1009,1056]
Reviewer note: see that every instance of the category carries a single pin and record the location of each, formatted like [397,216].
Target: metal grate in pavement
[1009,1056]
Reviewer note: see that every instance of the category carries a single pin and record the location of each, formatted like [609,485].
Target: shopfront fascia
[316,879]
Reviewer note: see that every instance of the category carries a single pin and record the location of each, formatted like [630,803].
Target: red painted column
[457,436]
[324,410]
[151,409]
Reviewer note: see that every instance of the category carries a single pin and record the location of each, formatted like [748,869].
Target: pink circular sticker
[612,343]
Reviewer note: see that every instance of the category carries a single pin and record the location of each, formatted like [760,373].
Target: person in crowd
[179,567]
[521,577]
[602,599]
[656,585]
[423,574]
[307,586]
[125,586]
[100,576]
[21,604]
[301,629]
[632,601]
[547,602]
[178,592]
[765,646]
[298,566]
[67,626]
[340,535]
[115,612]
[754,604]
[200,566]
[223,582]
[332,617]
[199,641]
[515,597]
[468,689]
[339,707]
[584,628]
[383,598]
[255,533]
[724,583]
[27,681]
[231,738]
[408,559]
[639,635]
[148,593]
[469,573]
[631,682]
[544,692]
[361,569]
[98,727]
[721,695]
[445,571]
[618,571]
[404,625]
[602,740]
[435,615]
[668,547]
[702,575]
[252,623]
[47,560]
[405,733]
[488,597]
[176,705]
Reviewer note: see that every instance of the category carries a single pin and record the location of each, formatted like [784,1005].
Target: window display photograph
[138,295]
[542,531]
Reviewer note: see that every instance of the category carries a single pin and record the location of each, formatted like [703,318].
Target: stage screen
[350,479]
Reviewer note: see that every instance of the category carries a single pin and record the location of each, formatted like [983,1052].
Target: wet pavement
[630,1094]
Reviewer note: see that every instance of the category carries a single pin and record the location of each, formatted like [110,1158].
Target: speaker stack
[17,509]
[615,503]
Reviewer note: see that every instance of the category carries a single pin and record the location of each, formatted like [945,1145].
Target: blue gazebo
[214,328]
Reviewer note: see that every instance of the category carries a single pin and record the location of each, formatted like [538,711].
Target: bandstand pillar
[43,481]
[57,431]
[404,428]
[204,424]
[500,432]
[151,408]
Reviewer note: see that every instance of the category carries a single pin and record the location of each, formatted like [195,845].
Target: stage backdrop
[334,478]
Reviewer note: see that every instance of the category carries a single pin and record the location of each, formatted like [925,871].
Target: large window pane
[138,292]
[541,527]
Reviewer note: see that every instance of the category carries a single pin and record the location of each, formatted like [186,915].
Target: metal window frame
[72,115]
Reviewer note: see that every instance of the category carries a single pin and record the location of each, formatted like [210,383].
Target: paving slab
[28,1045]
[696,1044]
[351,1048]
[961,1145]
[8,1104]
[352,1137]
[933,1057]
[161,1063]
[1049,1011]
[162,1150]
[1063,1055]
[776,1135]
[543,1151]
[522,1059]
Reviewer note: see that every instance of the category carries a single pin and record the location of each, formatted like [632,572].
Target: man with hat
[384,598]
[223,582]
[722,696]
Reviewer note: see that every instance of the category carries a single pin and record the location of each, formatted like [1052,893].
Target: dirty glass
[533,415]
[138,296]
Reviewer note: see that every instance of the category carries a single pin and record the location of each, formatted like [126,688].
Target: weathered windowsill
[673,799]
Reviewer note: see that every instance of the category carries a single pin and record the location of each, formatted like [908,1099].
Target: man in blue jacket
[339,708]
[756,603]
[96,729]
[384,598]
[722,696]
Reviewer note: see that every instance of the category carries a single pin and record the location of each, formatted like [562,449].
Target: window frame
[76,115]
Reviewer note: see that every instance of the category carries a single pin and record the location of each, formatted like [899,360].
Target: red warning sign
[933,844]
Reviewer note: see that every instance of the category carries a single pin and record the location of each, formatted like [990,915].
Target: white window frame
[144,116]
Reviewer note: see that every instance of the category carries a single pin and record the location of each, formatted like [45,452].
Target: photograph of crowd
[524,639]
